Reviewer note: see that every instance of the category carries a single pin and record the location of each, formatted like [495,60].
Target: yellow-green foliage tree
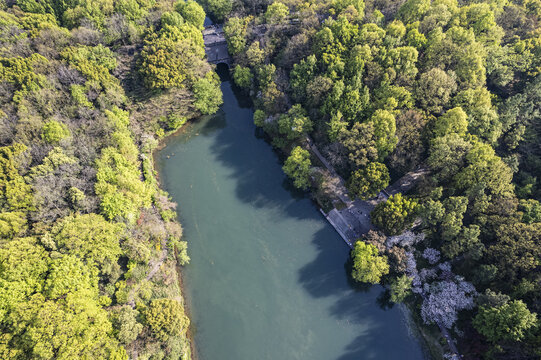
[94,62]
[15,193]
[20,72]
[297,167]
[368,265]
[54,131]
[171,58]
[207,93]
[89,237]
[49,308]
[166,318]
[191,12]
[68,151]
[119,184]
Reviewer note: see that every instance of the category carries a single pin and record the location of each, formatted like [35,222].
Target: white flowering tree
[406,239]
[444,299]
[432,255]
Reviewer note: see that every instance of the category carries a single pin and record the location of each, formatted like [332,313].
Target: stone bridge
[216,45]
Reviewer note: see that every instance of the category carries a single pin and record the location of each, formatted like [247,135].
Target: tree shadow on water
[253,164]
[328,275]
[211,123]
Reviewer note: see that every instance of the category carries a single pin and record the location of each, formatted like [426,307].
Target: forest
[89,244]
[387,87]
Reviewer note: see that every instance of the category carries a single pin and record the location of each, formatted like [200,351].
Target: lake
[268,277]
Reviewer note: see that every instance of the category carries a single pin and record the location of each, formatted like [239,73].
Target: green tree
[295,123]
[171,19]
[337,126]
[266,75]
[401,61]
[457,50]
[384,132]
[434,89]
[517,252]
[410,149]
[125,322]
[259,118]
[531,210]
[447,156]
[276,13]
[166,318]
[219,8]
[192,12]
[484,168]
[482,117]
[341,5]
[453,121]
[235,34]
[394,215]
[509,322]
[368,265]
[466,241]
[300,76]
[368,181]
[54,131]
[242,76]
[254,54]
[208,96]
[360,143]
[413,10]
[400,288]
[297,167]
[481,19]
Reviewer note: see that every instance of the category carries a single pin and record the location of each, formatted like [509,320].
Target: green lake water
[268,277]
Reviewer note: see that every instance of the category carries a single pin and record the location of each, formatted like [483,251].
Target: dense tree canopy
[508,322]
[81,215]
[445,88]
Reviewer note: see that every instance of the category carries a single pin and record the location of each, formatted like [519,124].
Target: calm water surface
[268,278]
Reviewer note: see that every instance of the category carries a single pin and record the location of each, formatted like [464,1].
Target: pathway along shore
[354,220]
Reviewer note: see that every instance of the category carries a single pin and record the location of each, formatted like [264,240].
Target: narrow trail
[157,265]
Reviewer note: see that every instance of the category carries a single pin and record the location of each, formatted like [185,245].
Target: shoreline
[162,144]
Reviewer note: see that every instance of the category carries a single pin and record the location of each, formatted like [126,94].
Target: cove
[268,277]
